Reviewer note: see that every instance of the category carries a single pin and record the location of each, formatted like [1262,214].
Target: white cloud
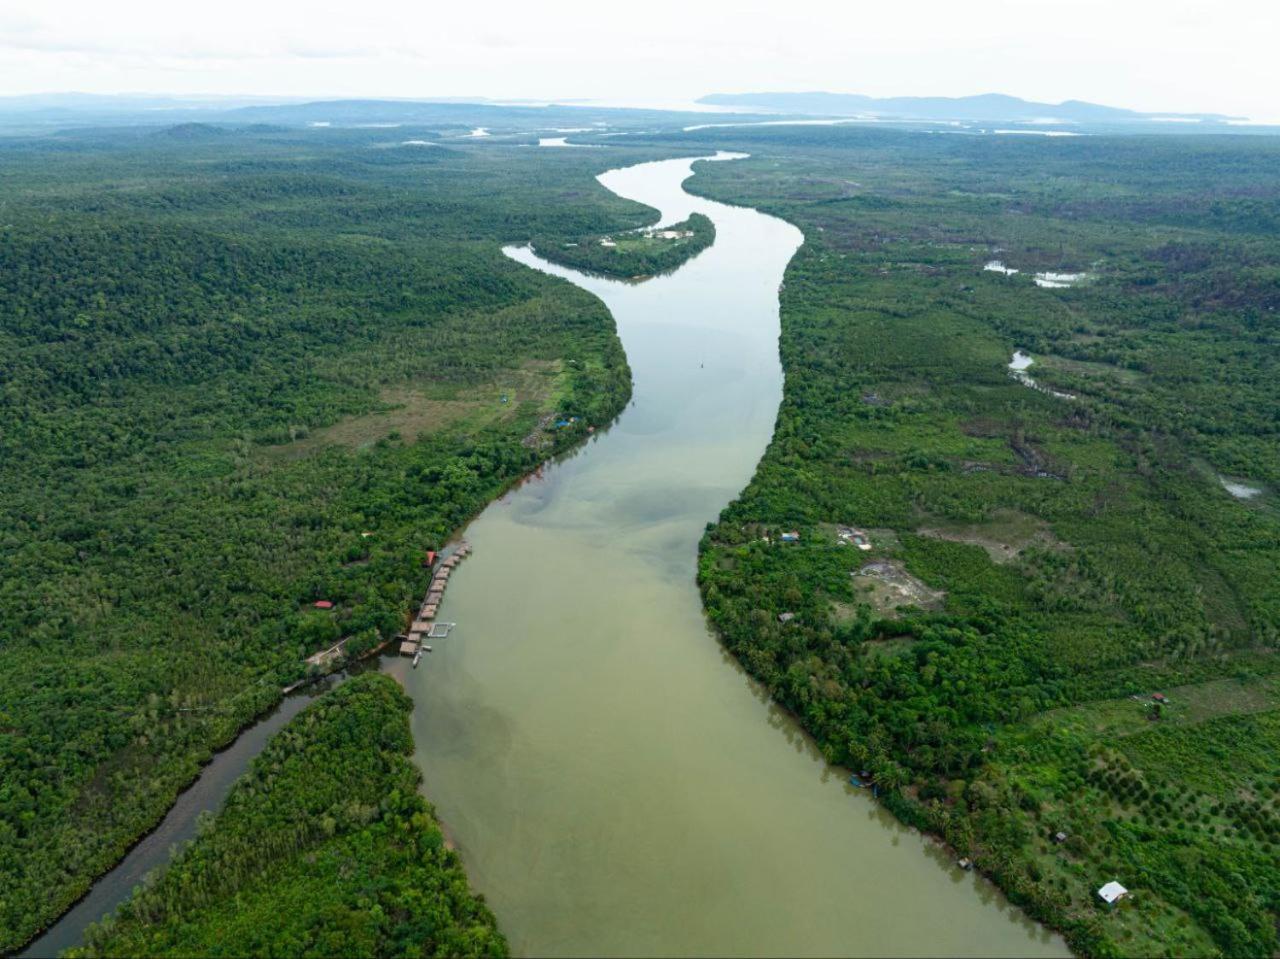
[1148,54]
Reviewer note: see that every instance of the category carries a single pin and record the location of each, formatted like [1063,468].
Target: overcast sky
[1180,55]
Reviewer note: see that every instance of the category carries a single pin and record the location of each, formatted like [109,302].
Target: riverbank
[1087,579]
[383,377]
[205,790]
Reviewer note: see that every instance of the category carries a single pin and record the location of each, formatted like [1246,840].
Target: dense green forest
[633,254]
[323,848]
[242,371]
[245,370]
[1059,650]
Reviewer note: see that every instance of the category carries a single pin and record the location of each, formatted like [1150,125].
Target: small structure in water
[440,630]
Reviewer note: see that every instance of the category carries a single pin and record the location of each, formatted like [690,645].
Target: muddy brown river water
[614,782]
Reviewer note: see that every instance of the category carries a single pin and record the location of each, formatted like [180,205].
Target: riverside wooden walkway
[424,623]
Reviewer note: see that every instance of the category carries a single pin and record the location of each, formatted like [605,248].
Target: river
[614,782]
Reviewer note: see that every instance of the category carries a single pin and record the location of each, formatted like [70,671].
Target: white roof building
[1112,892]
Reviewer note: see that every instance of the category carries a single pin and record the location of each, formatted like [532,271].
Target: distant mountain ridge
[997,107]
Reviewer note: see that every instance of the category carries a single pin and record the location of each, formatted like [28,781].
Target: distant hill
[992,107]
[61,112]
[192,131]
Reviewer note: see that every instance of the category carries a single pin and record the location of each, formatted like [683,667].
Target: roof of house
[322,604]
[1112,891]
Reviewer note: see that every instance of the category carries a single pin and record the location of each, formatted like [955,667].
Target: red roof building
[322,604]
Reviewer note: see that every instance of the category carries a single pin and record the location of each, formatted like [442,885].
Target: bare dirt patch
[887,587]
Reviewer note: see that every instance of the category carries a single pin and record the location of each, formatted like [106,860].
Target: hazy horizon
[1152,57]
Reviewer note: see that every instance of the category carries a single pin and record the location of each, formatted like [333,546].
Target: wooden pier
[424,623]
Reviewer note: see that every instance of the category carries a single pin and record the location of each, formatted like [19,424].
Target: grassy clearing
[410,413]
[1005,536]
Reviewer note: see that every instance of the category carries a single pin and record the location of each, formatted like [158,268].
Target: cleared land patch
[888,588]
[410,412]
[1005,536]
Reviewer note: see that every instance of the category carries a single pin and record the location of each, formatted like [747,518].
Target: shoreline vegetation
[634,254]
[1091,693]
[273,363]
[323,846]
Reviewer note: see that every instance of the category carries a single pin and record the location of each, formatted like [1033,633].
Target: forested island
[1040,623]
[323,848]
[636,253]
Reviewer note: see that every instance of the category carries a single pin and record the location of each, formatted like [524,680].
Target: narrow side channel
[180,823]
